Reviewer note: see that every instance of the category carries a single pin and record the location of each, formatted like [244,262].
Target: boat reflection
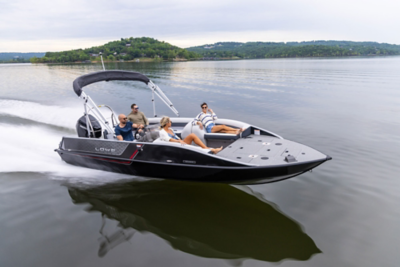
[206,220]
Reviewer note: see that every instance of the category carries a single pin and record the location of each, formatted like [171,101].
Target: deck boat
[254,156]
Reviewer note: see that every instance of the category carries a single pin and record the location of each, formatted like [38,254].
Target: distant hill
[19,57]
[294,49]
[124,49]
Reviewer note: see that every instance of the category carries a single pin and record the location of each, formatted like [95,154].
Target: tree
[171,54]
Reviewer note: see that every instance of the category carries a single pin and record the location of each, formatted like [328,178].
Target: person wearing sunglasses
[137,117]
[123,130]
[206,120]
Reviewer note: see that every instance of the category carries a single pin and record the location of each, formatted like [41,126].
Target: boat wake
[31,131]
[35,112]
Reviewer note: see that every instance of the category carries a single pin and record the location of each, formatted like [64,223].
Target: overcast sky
[57,25]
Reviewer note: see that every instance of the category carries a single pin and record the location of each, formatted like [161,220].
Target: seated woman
[168,135]
[207,121]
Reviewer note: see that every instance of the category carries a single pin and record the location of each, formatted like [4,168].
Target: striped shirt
[205,119]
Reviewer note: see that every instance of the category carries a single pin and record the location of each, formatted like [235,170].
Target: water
[344,213]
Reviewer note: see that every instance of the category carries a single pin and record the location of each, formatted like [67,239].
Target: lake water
[345,212]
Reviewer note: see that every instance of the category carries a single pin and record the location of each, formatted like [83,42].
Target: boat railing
[93,109]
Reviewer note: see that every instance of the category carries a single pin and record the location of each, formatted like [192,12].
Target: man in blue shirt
[123,130]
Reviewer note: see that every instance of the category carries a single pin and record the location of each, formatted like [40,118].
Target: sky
[59,25]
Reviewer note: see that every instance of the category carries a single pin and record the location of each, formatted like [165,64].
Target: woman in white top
[168,135]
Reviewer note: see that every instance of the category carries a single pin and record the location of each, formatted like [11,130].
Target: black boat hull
[176,171]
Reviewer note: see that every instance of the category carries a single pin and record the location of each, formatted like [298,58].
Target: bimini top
[108,75]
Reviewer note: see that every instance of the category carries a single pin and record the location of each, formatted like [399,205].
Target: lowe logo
[103,149]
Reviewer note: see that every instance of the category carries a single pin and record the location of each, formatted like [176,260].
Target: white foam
[31,149]
[53,115]
[27,148]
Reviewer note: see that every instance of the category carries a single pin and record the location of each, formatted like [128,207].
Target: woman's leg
[224,129]
[193,138]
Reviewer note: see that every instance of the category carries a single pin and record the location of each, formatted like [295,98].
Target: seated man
[123,130]
[207,120]
[137,117]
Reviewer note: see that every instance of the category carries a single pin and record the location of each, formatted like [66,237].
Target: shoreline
[150,60]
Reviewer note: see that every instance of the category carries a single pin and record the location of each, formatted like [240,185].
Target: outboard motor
[94,127]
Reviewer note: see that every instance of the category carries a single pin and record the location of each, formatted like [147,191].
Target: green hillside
[294,49]
[125,49]
[150,49]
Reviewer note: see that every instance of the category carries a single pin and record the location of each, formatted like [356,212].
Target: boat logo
[103,149]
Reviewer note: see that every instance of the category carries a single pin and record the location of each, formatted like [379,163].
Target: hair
[203,104]
[164,121]
[133,106]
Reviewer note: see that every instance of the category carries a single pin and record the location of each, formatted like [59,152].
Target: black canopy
[108,75]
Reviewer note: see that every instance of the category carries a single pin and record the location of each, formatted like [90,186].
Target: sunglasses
[203,107]
[136,108]
[124,118]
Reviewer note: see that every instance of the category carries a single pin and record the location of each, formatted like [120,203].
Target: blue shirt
[125,132]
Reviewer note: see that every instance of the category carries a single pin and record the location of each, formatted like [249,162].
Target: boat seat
[222,136]
[154,132]
[151,133]
[189,128]
[204,136]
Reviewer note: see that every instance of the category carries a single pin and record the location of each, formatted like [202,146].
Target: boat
[254,156]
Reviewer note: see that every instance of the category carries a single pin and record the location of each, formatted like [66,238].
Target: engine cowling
[94,127]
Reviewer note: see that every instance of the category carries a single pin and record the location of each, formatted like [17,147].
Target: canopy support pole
[102,63]
[154,102]
[157,91]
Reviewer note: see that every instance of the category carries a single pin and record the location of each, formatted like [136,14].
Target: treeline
[310,51]
[15,60]
[17,57]
[294,49]
[124,49]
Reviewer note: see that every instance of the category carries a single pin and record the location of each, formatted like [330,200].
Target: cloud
[74,24]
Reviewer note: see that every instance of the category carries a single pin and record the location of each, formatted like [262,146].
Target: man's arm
[118,134]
